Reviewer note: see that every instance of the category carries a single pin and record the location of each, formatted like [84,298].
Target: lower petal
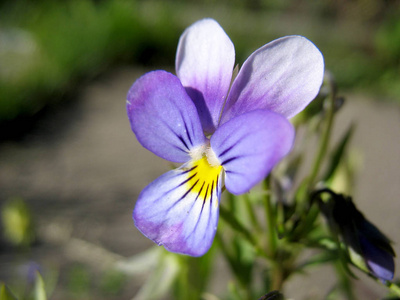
[179,210]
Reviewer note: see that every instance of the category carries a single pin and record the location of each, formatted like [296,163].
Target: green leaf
[338,154]
[5,293]
[306,224]
[39,290]
[244,260]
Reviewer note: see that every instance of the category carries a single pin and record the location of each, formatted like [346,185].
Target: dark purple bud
[359,234]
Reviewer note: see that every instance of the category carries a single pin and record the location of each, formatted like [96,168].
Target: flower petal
[379,262]
[163,117]
[204,64]
[179,210]
[283,76]
[249,145]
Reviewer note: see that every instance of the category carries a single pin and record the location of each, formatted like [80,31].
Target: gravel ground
[80,170]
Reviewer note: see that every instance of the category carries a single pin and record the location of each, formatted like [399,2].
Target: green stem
[344,280]
[277,265]
[252,215]
[394,288]
[323,146]
[237,226]
[271,221]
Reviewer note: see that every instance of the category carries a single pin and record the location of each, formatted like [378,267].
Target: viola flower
[232,139]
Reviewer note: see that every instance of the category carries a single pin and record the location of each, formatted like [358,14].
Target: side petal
[249,145]
[283,76]
[163,117]
[179,210]
[204,64]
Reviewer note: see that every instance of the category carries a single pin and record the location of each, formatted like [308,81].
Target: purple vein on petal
[180,184]
[226,150]
[172,211]
[188,170]
[188,135]
[163,117]
[184,196]
[199,193]
[202,207]
[179,199]
[224,163]
[249,145]
[177,135]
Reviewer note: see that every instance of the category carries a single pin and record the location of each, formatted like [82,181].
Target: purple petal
[179,210]
[379,261]
[163,117]
[283,76]
[249,145]
[204,63]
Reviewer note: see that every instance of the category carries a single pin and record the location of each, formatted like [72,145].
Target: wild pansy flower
[232,139]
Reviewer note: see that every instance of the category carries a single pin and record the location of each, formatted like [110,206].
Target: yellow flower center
[204,178]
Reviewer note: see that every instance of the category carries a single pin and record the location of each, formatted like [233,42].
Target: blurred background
[71,169]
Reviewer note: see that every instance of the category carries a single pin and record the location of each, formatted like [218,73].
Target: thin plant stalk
[324,143]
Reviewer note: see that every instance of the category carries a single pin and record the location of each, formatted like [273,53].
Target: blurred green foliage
[5,293]
[112,282]
[48,47]
[79,281]
[35,290]
[17,221]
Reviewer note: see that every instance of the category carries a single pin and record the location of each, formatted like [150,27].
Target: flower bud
[369,249]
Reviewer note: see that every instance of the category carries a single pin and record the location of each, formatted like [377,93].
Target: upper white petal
[283,76]
[204,64]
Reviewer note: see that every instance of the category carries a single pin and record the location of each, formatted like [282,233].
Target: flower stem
[344,281]
[323,146]
[394,288]
[271,221]
[277,269]
[237,226]
[250,210]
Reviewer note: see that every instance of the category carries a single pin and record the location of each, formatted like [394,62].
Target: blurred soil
[80,170]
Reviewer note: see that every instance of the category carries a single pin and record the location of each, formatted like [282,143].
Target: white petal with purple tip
[283,76]
[204,64]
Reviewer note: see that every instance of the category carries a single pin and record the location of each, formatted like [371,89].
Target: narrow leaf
[338,153]
[39,290]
